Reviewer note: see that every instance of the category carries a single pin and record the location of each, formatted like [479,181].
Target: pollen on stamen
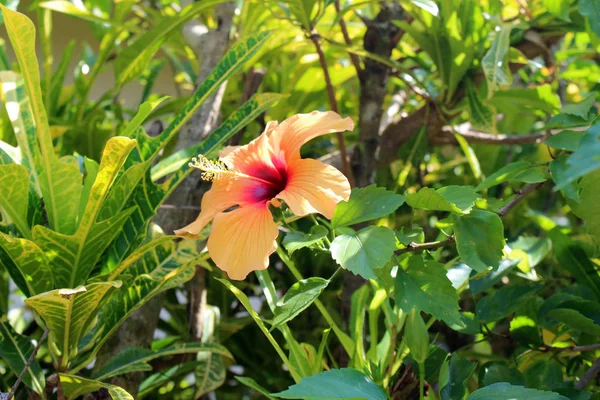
[211,169]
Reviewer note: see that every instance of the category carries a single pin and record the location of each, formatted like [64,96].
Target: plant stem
[28,364]
[520,195]
[421,380]
[425,246]
[334,106]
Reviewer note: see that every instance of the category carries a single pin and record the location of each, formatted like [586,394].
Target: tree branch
[591,347]
[589,375]
[412,246]
[520,195]
[28,364]
[353,57]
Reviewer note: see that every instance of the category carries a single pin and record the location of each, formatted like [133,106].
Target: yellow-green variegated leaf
[153,268]
[73,256]
[14,196]
[15,350]
[210,373]
[147,197]
[69,313]
[67,7]
[75,386]
[242,117]
[132,61]
[26,264]
[60,182]
[137,359]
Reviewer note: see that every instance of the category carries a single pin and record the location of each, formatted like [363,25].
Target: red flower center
[269,182]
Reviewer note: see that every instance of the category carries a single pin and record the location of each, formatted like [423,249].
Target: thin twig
[590,347]
[28,364]
[490,138]
[353,57]
[425,246]
[520,195]
[334,106]
[589,375]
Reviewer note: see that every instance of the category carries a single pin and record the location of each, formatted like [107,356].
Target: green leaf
[544,374]
[295,240]
[483,116]
[155,267]
[558,170]
[298,298]
[503,391]
[495,62]
[81,251]
[591,10]
[479,239]
[75,386]
[69,314]
[458,199]
[424,285]
[14,196]
[504,302]
[416,336]
[559,8]
[252,384]
[573,258]
[460,371]
[498,371]
[587,209]
[582,108]
[210,373]
[137,359]
[520,171]
[566,140]
[58,78]
[26,264]
[66,7]
[362,252]
[427,5]
[334,384]
[15,350]
[575,320]
[59,181]
[132,61]
[365,204]
[254,107]
[539,98]
[585,159]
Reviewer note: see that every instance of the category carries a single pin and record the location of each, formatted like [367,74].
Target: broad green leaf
[362,252]
[503,391]
[59,181]
[137,359]
[80,251]
[411,235]
[591,10]
[483,116]
[498,371]
[210,373]
[15,350]
[142,114]
[427,5]
[69,8]
[252,384]
[366,204]
[458,199]
[58,78]
[575,320]
[588,209]
[585,159]
[559,8]
[132,61]
[298,240]
[162,378]
[520,171]
[542,97]
[342,383]
[573,258]
[478,283]
[301,10]
[298,298]
[544,374]
[504,301]
[150,270]
[14,196]
[69,314]
[416,336]
[424,285]
[495,62]
[582,108]
[558,170]
[254,107]
[75,386]
[459,373]
[479,239]
[566,140]
[26,264]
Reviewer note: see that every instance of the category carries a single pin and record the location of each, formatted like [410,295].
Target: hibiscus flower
[262,173]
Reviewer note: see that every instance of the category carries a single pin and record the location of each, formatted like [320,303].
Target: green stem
[344,339]
[421,380]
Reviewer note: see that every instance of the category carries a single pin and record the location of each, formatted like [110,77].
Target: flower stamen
[211,169]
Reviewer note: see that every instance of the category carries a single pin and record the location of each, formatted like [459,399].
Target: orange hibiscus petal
[292,133]
[242,240]
[314,187]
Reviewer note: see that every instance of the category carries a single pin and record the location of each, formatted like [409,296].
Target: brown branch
[520,196]
[412,246]
[589,376]
[28,364]
[488,138]
[591,347]
[334,106]
[353,57]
